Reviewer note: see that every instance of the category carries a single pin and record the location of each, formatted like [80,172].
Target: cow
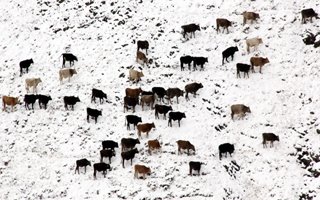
[145,128]
[98,94]
[25,64]
[243,68]
[32,82]
[184,144]
[229,52]
[70,100]
[162,109]
[192,88]
[109,144]
[142,57]
[66,73]
[43,100]
[269,137]
[141,169]
[153,145]
[258,61]
[130,101]
[196,166]
[94,113]
[174,92]
[253,42]
[29,99]
[82,163]
[308,13]
[68,57]
[175,116]
[135,75]
[143,44]
[128,155]
[100,167]
[133,92]
[147,93]
[224,23]
[132,119]
[199,61]
[186,60]
[160,92]
[250,16]
[225,148]
[106,153]
[11,101]
[239,109]
[190,28]
[128,143]
[147,99]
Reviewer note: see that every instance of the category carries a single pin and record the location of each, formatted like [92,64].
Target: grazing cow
[66,73]
[25,64]
[68,57]
[109,144]
[11,101]
[243,68]
[128,155]
[175,116]
[225,148]
[224,23]
[160,92]
[141,169]
[250,16]
[145,128]
[133,92]
[269,137]
[184,144]
[308,13]
[192,88]
[94,113]
[100,167]
[174,92]
[32,82]
[132,119]
[128,143]
[258,61]
[130,101]
[199,61]
[43,100]
[106,153]
[135,75]
[82,163]
[190,28]
[98,94]
[143,44]
[147,99]
[142,57]
[186,60]
[196,166]
[239,109]
[153,145]
[162,109]
[70,100]
[29,99]
[253,42]
[229,52]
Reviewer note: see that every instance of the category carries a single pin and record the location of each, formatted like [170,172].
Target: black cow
[82,163]
[196,166]
[308,13]
[70,100]
[190,28]
[109,144]
[162,109]
[174,92]
[269,137]
[229,52]
[25,64]
[175,116]
[243,68]
[225,148]
[29,99]
[43,100]
[143,45]
[186,60]
[68,57]
[199,61]
[94,113]
[106,153]
[128,155]
[100,167]
[130,101]
[98,94]
[192,88]
[128,143]
[132,119]
[160,92]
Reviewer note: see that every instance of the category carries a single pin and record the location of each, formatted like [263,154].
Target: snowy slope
[39,148]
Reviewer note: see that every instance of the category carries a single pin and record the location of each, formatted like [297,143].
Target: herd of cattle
[136,96]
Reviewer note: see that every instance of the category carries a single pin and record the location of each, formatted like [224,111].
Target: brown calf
[153,145]
[258,61]
[133,92]
[147,99]
[145,128]
[239,109]
[11,101]
[184,144]
[141,56]
[224,23]
[141,169]
[250,16]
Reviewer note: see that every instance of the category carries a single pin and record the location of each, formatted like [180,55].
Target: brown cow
[192,88]
[66,73]
[250,16]
[145,128]
[147,99]
[153,145]
[184,144]
[239,109]
[133,92]
[32,82]
[253,42]
[141,169]
[174,92]
[135,75]
[11,101]
[224,23]
[141,56]
[258,61]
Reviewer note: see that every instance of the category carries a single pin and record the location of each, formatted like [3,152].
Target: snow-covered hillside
[39,148]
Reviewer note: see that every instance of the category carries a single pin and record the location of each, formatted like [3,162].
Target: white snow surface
[39,148]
